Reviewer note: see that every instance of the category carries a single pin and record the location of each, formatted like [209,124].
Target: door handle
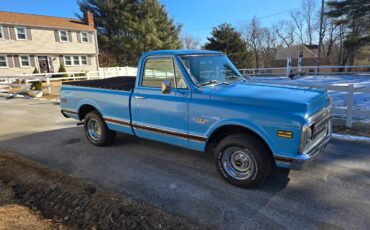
[139,97]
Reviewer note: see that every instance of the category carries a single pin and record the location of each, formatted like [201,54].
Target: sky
[197,16]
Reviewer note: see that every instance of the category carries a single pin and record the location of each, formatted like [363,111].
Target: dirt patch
[358,128]
[14,215]
[76,204]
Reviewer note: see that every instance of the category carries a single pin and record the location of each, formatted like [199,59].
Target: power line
[266,16]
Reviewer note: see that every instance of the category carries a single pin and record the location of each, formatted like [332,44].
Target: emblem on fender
[201,121]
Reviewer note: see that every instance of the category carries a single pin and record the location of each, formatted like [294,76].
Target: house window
[76,60]
[67,60]
[1,32]
[24,61]
[83,60]
[3,61]
[21,33]
[63,36]
[84,37]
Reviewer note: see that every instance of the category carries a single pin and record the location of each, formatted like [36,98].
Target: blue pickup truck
[198,100]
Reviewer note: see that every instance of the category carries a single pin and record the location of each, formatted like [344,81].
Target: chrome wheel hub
[94,129]
[239,163]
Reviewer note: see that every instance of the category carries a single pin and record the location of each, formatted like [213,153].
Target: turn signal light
[285,134]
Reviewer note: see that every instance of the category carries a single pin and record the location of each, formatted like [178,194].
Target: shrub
[35,71]
[36,85]
[62,69]
[80,74]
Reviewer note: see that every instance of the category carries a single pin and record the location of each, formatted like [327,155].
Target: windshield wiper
[233,77]
[210,82]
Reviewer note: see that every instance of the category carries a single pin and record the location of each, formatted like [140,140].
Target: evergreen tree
[226,39]
[354,15]
[127,28]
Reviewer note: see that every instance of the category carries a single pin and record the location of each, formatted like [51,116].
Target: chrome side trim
[186,136]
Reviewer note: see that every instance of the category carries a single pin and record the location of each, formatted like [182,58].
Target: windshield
[210,69]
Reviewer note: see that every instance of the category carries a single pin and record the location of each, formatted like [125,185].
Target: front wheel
[96,130]
[243,160]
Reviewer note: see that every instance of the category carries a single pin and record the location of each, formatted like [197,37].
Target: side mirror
[166,86]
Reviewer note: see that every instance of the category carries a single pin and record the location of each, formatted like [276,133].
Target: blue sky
[197,16]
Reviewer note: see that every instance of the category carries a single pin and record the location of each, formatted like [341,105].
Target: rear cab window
[159,69]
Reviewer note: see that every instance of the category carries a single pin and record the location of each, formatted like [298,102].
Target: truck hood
[288,98]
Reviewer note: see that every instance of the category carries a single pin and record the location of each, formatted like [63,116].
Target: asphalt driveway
[332,193]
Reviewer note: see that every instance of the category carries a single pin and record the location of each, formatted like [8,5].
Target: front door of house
[43,62]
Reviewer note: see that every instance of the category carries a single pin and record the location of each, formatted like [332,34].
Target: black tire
[246,151]
[105,137]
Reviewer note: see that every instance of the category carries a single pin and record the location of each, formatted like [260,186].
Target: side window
[157,70]
[180,82]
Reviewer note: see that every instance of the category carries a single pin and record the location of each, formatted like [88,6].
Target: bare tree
[252,34]
[308,11]
[299,23]
[285,32]
[268,47]
[190,42]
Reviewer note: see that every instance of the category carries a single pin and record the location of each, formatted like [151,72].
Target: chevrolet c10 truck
[198,100]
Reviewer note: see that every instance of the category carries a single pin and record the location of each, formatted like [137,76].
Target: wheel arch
[232,128]
[87,107]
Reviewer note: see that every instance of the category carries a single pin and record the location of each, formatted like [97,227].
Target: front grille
[320,128]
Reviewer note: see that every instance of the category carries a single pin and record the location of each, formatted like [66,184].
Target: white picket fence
[23,80]
[349,110]
[282,71]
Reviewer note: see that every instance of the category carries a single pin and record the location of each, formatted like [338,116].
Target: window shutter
[61,60]
[70,36]
[10,61]
[16,61]
[90,37]
[12,33]
[79,37]
[29,35]
[6,32]
[32,59]
[56,35]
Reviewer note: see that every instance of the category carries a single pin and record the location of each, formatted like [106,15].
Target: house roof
[312,46]
[11,18]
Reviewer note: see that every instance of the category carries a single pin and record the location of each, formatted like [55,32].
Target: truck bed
[114,83]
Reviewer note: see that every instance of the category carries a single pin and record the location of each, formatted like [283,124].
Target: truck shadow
[57,147]
[180,181]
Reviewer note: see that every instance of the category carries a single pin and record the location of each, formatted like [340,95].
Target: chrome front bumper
[304,159]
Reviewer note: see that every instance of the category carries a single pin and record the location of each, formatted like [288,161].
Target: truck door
[157,115]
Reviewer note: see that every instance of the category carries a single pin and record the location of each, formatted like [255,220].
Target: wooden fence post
[349,106]
[9,85]
[48,82]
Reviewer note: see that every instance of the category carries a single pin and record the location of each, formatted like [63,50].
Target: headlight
[305,137]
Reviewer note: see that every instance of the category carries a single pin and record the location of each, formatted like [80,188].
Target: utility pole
[320,37]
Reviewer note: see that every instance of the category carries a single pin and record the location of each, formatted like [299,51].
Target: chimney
[89,18]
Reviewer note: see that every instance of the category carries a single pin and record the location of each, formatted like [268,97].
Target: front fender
[248,125]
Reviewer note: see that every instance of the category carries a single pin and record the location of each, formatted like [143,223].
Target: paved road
[333,193]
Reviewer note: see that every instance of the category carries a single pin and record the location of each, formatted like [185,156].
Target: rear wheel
[96,130]
[243,160]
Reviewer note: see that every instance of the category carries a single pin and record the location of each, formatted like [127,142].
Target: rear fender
[91,103]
